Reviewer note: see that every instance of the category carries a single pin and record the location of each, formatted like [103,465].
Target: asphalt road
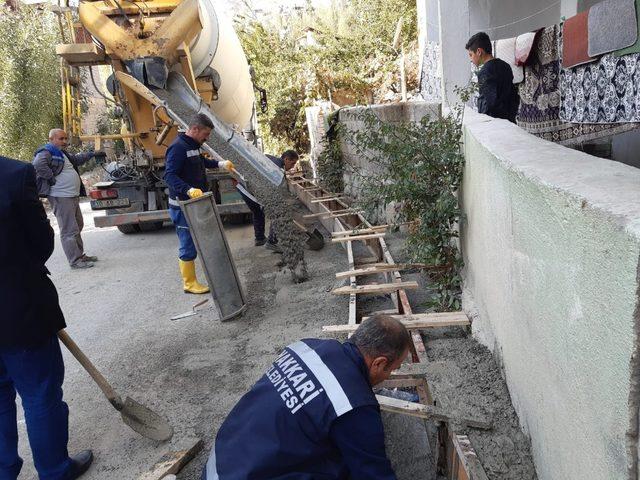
[190,371]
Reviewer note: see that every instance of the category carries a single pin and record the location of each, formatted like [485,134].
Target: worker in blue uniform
[313,414]
[186,177]
[286,162]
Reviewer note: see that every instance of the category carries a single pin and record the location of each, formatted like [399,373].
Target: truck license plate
[116,202]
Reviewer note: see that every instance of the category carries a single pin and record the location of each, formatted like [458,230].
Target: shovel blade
[144,421]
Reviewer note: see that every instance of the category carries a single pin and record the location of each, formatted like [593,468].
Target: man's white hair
[54,131]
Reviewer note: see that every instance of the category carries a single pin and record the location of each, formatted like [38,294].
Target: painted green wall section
[551,242]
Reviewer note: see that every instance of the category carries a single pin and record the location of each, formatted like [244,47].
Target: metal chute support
[215,256]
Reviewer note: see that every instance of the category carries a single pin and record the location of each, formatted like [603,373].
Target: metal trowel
[140,418]
[191,312]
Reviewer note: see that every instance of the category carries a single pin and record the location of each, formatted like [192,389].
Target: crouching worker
[186,177]
[313,414]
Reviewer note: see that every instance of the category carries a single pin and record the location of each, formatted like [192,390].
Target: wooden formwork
[455,456]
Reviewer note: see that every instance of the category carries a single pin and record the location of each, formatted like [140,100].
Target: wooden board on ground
[378,288]
[174,460]
[429,412]
[359,237]
[417,321]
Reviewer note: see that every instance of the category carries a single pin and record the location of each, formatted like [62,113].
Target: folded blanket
[506,50]
[524,46]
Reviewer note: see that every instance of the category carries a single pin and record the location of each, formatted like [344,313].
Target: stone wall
[391,113]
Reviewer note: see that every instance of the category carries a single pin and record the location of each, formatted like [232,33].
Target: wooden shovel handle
[106,388]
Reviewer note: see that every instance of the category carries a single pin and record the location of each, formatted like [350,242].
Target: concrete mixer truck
[167,59]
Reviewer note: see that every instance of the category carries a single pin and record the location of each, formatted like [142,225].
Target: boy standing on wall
[498,96]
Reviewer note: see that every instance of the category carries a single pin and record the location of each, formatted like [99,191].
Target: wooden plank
[381,288]
[420,324]
[173,461]
[358,231]
[429,412]
[468,457]
[371,229]
[440,319]
[356,238]
[379,268]
[328,199]
[344,214]
[329,212]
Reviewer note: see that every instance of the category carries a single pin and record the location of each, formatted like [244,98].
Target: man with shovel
[30,359]
[313,414]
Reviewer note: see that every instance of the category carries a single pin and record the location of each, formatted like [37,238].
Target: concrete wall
[551,243]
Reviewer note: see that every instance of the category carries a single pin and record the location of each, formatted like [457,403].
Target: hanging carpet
[539,112]
[635,48]
[607,91]
[575,50]
[612,26]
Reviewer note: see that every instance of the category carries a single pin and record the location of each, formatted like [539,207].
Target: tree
[29,80]
[351,57]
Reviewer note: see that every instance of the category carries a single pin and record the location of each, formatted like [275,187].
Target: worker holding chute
[186,177]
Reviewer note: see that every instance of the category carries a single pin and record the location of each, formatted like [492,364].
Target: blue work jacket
[185,167]
[312,416]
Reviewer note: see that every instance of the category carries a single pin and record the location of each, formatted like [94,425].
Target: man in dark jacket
[30,358]
[286,161]
[58,179]
[498,96]
[313,414]
[186,177]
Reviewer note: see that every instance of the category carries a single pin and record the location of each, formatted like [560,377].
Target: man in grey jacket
[59,181]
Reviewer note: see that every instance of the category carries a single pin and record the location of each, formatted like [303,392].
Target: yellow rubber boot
[189,282]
